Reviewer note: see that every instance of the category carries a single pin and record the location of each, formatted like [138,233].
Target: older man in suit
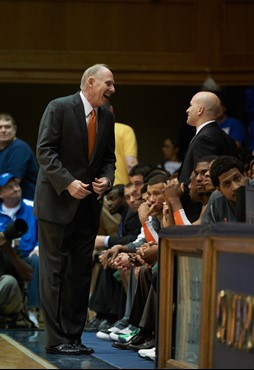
[209,139]
[74,174]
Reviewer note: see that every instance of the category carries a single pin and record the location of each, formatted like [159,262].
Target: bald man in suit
[68,201]
[209,139]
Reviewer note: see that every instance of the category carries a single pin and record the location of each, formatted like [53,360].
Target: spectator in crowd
[14,271]
[128,225]
[132,198]
[126,152]
[170,150]
[13,206]
[232,126]
[16,156]
[200,188]
[227,174]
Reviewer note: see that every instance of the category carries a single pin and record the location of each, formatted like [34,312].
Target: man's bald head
[209,101]
[204,106]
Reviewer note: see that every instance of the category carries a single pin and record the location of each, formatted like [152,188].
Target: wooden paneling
[237,47]
[147,26]
[144,41]
[237,29]
[227,258]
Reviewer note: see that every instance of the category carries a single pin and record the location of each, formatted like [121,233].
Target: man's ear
[90,81]
[200,110]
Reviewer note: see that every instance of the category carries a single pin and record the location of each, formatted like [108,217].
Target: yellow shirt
[125,145]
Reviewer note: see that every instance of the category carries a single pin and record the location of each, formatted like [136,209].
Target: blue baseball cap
[5,177]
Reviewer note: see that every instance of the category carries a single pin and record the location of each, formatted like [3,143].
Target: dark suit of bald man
[68,226]
[211,139]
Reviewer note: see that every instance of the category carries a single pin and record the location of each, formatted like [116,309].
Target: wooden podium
[206,297]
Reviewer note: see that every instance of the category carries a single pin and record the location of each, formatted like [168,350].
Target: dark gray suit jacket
[62,155]
[211,139]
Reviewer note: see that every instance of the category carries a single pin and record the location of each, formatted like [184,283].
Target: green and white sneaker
[124,338]
[114,336]
[126,331]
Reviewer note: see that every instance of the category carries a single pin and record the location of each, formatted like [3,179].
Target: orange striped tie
[91,133]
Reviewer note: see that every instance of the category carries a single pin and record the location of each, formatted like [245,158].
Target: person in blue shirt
[16,156]
[232,126]
[249,102]
[12,207]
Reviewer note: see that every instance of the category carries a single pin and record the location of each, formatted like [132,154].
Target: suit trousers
[65,272]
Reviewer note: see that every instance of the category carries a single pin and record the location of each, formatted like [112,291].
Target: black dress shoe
[120,345]
[64,349]
[137,339]
[84,350]
[147,344]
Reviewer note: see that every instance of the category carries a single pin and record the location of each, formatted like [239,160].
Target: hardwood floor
[14,355]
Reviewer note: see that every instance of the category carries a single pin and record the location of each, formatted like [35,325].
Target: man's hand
[143,212]
[103,259]
[149,253]
[135,260]
[121,262]
[78,189]
[100,186]
[156,208]
[107,257]
[173,190]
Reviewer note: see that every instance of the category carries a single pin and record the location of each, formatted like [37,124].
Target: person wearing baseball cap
[5,178]
[12,207]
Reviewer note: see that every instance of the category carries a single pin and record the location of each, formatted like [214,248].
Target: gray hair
[91,71]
